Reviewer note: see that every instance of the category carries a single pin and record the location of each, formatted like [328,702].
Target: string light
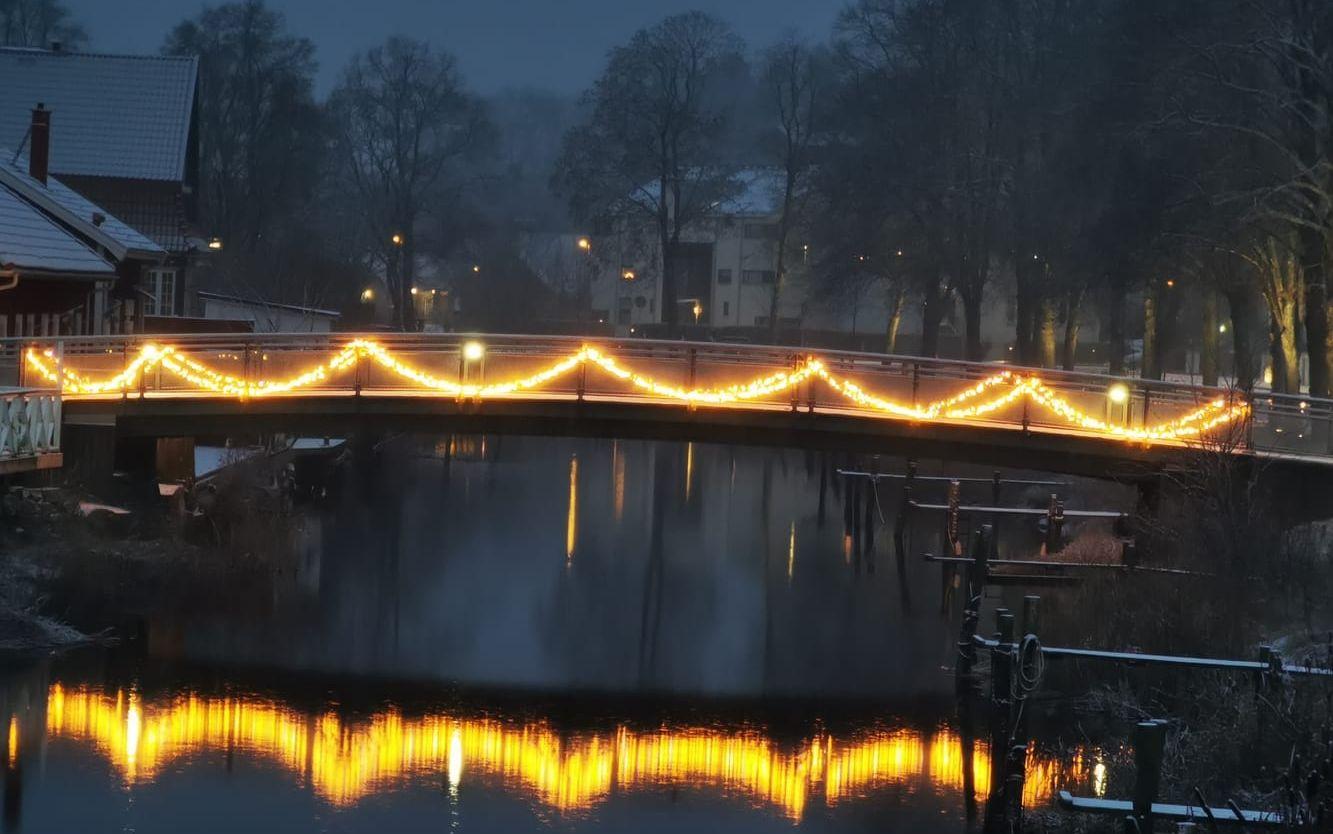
[346,760]
[1004,388]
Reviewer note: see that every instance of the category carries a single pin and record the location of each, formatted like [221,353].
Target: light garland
[966,405]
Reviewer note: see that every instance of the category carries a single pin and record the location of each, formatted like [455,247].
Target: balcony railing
[29,423]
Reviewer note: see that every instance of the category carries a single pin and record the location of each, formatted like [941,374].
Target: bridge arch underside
[988,445]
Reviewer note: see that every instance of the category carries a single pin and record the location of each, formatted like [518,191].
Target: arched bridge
[987,412]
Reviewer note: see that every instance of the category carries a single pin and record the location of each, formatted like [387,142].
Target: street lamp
[585,244]
[215,244]
[1118,393]
[367,295]
[473,351]
[698,310]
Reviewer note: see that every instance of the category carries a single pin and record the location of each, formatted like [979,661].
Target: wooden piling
[998,811]
[976,580]
[1149,742]
[951,522]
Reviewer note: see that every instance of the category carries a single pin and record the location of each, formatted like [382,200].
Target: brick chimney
[39,144]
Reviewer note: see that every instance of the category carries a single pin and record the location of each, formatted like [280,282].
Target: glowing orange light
[572,523]
[345,761]
[1003,388]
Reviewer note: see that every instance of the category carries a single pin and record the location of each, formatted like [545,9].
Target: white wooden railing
[29,422]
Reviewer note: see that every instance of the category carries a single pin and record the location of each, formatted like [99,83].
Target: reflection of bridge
[726,393]
[344,760]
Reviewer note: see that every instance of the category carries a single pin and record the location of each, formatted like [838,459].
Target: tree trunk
[1208,341]
[973,350]
[407,277]
[1282,348]
[1073,306]
[670,315]
[1148,368]
[1070,351]
[897,297]
[784,230]
[1024,315]
[932,313]
[1313,247]
[1240,305]
[1046,333]
[1115,332]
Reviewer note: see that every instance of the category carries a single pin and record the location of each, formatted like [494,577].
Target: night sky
[554,44]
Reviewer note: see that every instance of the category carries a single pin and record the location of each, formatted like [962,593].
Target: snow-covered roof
[125,116]
[29,241]
[73,208]
[759,192]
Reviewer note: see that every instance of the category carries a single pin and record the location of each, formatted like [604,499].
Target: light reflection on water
[345,761]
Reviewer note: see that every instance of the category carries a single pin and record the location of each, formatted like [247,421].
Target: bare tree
[261,142]
[791,85]
[1267,73]
[39,23]
[653,148]
[403,120]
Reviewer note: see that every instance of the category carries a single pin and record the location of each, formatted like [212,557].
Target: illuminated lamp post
[1117,403]
[470,357]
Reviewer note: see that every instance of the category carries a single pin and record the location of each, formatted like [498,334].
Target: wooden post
[871,510]
[951,519]
[1055,523]
[854,505]
[1019,748]
[996,481]
[976,580]
[1149,740]
[846,483]
[1001,723]
[964,685]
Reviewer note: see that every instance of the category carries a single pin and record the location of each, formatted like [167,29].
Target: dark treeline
[1162,165]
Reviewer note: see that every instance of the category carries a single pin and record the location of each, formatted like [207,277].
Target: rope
[1031,667]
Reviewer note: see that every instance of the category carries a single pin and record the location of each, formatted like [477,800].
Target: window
[761,231]
[724,276]
[625,310]
[759,276]
[726,309]
[160,284]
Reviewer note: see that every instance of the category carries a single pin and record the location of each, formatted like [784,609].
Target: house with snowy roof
[122,135]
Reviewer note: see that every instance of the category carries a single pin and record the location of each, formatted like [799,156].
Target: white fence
[29,422]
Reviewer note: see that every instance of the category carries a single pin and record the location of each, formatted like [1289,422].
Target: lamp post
[585,268]
[407,314]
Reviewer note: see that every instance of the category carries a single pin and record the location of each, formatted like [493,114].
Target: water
[526,635]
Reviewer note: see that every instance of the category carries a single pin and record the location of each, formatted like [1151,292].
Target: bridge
[990,413]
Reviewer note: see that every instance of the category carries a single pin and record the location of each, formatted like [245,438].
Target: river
[524,634]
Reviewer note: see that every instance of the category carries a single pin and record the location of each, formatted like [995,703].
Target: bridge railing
[29,422]
[1278,424]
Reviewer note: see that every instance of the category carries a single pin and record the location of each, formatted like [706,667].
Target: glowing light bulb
[1118,393]
[472,351]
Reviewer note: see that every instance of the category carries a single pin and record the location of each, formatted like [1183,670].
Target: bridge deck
[1037,419]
